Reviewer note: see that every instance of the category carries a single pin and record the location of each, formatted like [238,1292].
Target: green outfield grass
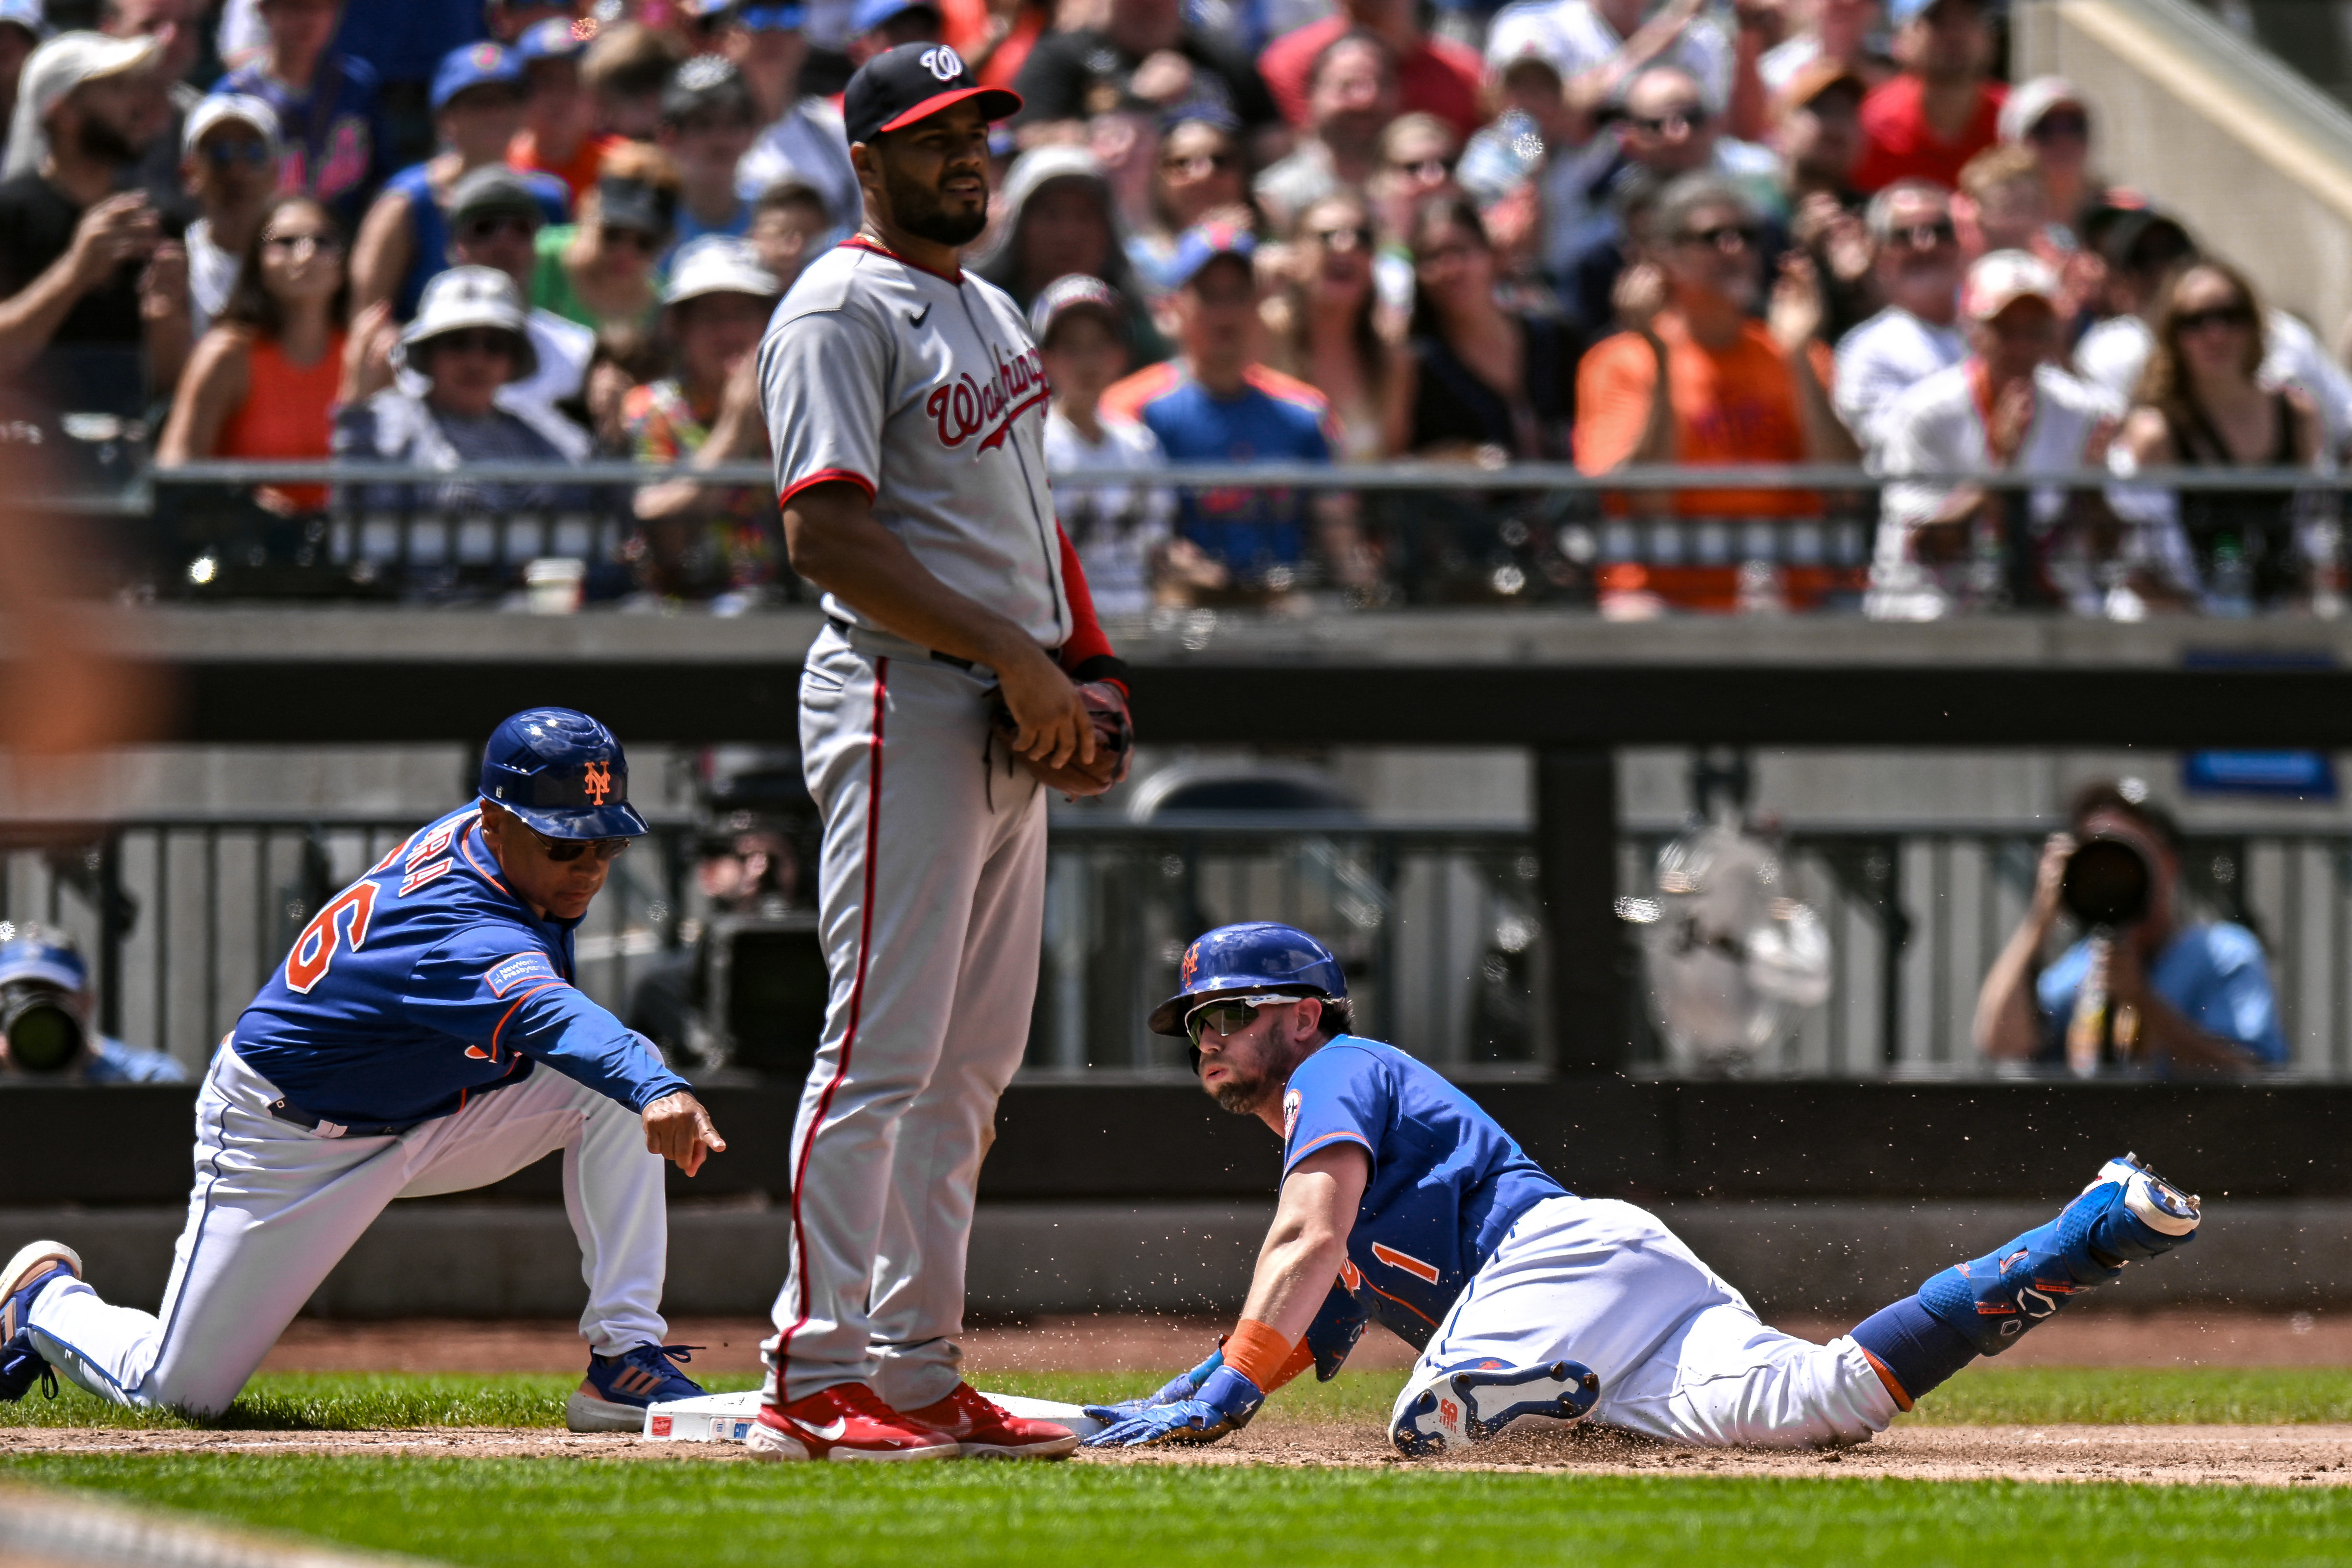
[1979,1396]
[621,1514]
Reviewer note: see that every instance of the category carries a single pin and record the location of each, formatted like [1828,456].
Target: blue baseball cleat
[1445,1412]
[32,1270]
[2126,1214]
[613,1396]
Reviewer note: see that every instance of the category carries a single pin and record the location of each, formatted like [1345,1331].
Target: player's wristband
[1258,1351]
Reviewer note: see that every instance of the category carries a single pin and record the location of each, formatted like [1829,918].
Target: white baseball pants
[274,1208]
[1679,1353]
[931,904]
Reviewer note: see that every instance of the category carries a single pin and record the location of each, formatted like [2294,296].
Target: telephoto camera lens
[43,1034]
[2107,883]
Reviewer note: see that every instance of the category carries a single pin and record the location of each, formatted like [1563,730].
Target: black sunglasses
[563,852]
[229,154]
[2217,315]
[497,224]
[1346,236]
[1228,1015]
[1690,120]
[613,235]
[2050,127]
[325,243]
[476,340]
[1924,236]
[1722,237]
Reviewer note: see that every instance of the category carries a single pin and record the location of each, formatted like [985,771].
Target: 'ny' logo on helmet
[943,62]
[1192,963]
[598,782]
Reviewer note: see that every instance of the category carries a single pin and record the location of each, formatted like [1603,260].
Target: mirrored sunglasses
[1227,1015]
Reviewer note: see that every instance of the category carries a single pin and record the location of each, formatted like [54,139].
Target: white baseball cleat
[1447,1411]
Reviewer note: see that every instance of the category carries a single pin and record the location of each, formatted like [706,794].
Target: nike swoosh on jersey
[917,318]
[831,1432]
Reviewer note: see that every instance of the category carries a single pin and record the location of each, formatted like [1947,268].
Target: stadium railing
[1647,540]
[1440,926]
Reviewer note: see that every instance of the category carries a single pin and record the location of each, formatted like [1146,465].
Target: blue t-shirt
[1446,1184]
[406,42]
[111,1062]
[2214,975]
[334,132]
[426,981]
[1249,530]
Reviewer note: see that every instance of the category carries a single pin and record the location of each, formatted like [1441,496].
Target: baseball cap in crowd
[1203,244]
[556,39]
[232,108]
[626,203]
[42,955]
[472,65]
[768,18]
[25,14]
[717,263]
[912,82]
[1999,280]
[2029,101]
[872,13]
[1073,293]
[490,189]
[704,83]
[1817,77]
[54,70]
[467,296]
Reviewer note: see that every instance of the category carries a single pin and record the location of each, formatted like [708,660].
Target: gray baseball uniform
[925,392]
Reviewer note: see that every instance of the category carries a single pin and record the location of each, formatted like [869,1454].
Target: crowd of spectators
[1608,233]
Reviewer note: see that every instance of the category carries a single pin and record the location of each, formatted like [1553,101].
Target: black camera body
[2108,883]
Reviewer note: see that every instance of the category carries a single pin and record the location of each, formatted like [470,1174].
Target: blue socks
[1917,1347]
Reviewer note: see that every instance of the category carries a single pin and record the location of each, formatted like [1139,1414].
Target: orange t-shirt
[1731,405]
[579,174]
[287,412]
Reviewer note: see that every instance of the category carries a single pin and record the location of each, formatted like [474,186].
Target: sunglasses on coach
[563,852]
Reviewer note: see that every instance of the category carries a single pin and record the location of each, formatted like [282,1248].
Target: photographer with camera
[45,1017]
[2139,991]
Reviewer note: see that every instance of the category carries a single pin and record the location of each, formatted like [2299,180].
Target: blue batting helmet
[1258,956]
[563,773]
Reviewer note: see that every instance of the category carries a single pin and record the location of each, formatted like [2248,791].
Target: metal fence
[1638,541]
[1439,927]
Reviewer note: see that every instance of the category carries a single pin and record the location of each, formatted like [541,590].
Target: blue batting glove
[1181,1386]
[1225,1404]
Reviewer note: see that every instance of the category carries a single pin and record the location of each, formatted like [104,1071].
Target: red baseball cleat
[985,1431]
[845,1421]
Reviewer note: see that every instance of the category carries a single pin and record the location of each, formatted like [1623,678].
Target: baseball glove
[1114,744]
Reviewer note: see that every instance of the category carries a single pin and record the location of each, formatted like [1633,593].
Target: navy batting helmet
[563,773]
[1240,959]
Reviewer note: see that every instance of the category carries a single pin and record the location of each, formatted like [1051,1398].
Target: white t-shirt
[1572,36]
[1881,359]
[806,145]
[211,273]
[1935,428]
[1116,528]
[927,392]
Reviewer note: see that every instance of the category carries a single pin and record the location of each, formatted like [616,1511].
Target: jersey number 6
[314,950]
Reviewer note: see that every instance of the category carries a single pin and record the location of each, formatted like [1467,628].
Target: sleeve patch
[507,973]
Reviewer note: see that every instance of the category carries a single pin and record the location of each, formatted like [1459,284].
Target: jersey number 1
[314,950]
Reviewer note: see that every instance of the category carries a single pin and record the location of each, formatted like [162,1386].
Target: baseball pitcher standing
[907,407]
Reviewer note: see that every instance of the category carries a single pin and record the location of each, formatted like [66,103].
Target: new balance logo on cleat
[1447,1411]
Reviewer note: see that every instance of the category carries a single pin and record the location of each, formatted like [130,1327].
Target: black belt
[844,628]
[293,1114]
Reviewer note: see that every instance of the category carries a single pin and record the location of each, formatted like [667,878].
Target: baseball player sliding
[906,408]
[395,1053]
[1401,1200]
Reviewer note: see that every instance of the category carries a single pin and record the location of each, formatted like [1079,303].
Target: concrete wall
[2254,158]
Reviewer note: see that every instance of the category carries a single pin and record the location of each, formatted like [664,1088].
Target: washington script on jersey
[964,407]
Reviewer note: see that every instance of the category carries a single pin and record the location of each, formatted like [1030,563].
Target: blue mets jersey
[425,982]
[1446,1181]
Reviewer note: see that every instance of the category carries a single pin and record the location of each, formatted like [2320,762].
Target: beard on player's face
[923,209]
